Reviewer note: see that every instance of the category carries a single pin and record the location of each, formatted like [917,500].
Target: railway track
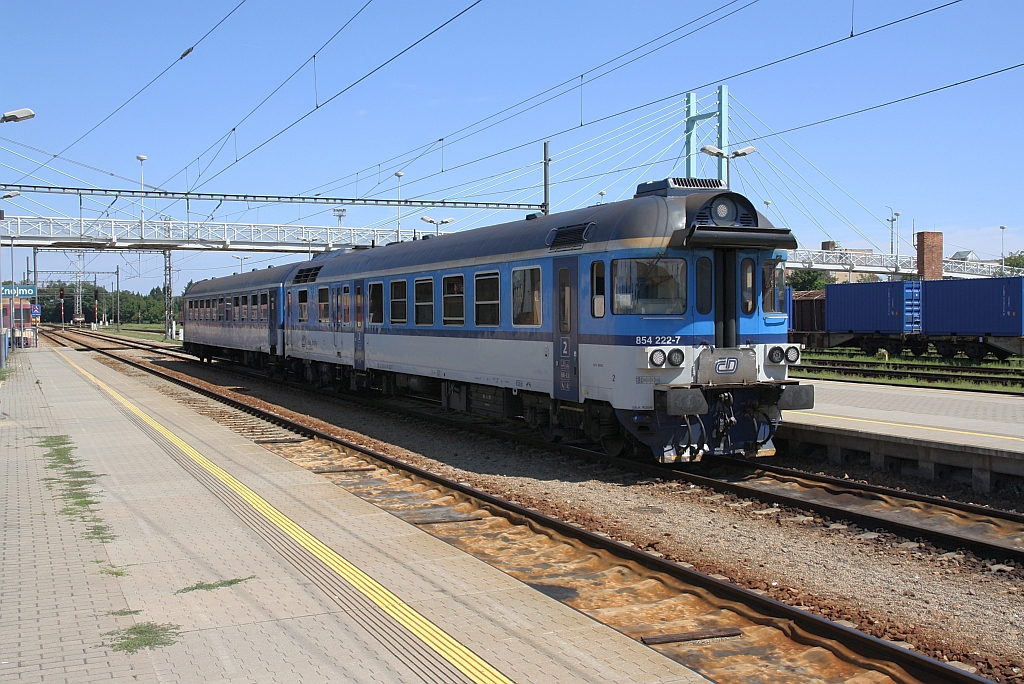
[728,633]
[990,533]
[1011,378]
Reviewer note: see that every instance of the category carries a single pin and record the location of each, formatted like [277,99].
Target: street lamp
[437,224]
[713,151]
[142,186]
[398,175]
[241,260]
[12,193]
[1002,253]
[767,204]
[17,115]
[309,242]
[601,194]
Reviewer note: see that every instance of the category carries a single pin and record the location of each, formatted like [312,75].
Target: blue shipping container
[974,307]
[884,308]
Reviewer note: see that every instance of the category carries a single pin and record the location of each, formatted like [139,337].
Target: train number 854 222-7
[659,339]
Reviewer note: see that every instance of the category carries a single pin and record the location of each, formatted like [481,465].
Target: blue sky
[948,161]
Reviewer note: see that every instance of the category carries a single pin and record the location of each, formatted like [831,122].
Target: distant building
[965,255]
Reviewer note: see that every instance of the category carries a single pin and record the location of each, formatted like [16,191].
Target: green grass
[210,586]
[116,572]
[124,612]
[143,635]
[74,486]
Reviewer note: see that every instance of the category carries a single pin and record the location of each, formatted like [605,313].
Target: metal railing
[122,234]
[871,262]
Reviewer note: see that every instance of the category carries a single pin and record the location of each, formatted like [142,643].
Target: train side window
[202,311]
[234,309]
[773,284]
[564,301]
[424,294]
[346,305]
[323,300]
[486,296]
[303,305]
[376,311]
[245,308]
[705,286]
[747,301]
[526,296]
[264,296]
[221,309]
[399,302]
[453,305]
[597,289]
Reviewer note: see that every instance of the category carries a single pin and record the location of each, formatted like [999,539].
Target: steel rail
[866,520]
[923,668]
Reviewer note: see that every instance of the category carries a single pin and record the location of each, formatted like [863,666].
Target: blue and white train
[652,325]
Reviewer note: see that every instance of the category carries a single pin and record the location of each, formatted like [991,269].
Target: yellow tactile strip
[461,657]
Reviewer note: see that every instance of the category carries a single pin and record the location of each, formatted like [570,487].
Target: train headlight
[793,354]
[723,211]
[675,357]
[658,357]
[776,355]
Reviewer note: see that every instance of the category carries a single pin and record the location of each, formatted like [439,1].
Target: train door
[336,316]
[360,340]
[272,323]
[750,326]
[566,324]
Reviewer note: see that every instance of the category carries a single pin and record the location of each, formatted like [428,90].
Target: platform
[943,433]
[125,510]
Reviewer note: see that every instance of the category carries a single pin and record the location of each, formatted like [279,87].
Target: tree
[1015,259]
[802,279]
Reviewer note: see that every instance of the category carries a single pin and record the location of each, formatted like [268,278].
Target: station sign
[18,291]
[37,312]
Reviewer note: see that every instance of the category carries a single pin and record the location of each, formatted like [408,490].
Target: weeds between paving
[219,584]
[143,635]
[75,486]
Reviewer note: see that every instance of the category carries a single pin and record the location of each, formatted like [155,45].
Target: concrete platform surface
[130,521]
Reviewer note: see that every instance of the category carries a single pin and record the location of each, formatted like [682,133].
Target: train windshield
[649,286]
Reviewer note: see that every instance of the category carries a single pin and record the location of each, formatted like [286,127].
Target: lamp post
[398,175]
[601,194]
[3,328]
[713,151]
[1002,251]
[15,116]
[142,186]
[437,224]
[241,260]
[309,242]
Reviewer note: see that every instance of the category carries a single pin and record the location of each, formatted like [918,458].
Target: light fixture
[676,357]
[793,354]
[776,355]
[658,357]
[17,115]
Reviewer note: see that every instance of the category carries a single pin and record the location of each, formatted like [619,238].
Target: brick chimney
[929,256]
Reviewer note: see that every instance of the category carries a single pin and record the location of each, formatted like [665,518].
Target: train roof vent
[306,275]
[679,186]
[568,237]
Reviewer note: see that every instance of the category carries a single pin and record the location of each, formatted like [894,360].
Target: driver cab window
[649,286]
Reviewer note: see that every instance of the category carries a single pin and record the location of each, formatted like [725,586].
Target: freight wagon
[973,316]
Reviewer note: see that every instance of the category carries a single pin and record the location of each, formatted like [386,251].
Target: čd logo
[727,365]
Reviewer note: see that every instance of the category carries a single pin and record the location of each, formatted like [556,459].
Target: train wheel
[613,445]
[548,435]
[919,349]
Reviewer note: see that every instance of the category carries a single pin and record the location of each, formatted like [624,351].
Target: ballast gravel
[949,605]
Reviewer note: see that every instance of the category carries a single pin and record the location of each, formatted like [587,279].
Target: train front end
[702,313]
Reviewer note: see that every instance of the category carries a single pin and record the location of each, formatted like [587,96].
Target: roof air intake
[306,275]
[568,238]
[675,187]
